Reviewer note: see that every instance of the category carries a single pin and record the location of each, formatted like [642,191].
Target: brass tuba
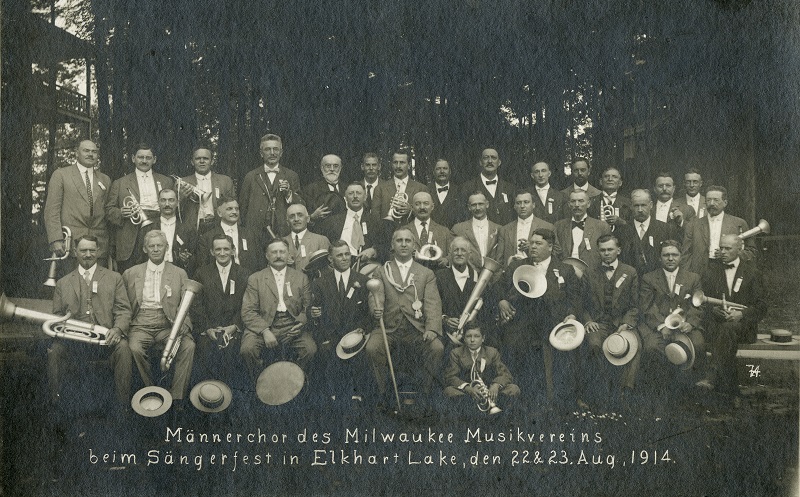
[475,302]
[699,298]
[529,281]
[761,227]
[485,404]
[190,289]
[138,216]
[51,275]
[53,325]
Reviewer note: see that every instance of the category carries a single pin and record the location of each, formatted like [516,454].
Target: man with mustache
[181,238]
[581,170]
[201,213]
[365,233]
[247,244]
[384,202]
[479,231]
[578,235]
[611,200]
[498,192]
[447,206]
[371,167]
[424,229]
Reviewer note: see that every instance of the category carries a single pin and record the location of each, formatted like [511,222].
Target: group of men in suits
[645,260]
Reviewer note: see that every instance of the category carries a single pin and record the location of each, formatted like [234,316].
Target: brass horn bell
[529,281]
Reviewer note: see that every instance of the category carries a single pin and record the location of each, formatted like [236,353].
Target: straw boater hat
[151,401]
[681,352]
[279,383]
[580,266]
[211,396]
[352,343]
[369,268]
[317,261]
[567,336]
[619,348]
[781,337]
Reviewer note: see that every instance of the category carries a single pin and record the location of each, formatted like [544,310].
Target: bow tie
[492,182]
[608,268]
[728,266]
[443,189]
[579,224]
[275,170]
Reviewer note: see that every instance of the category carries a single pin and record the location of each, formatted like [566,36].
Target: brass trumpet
[139,216]
[53,325]
[761,227]
[190,289]
[699,298]
[475,302]
[485,404]
[51,275]
[675,319]
[195,193]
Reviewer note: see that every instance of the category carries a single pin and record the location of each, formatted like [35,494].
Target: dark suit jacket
[688,215]
[453,298]
[644,254]
[311,242]
[465,230]
[221,186]
[593,229]
[339,315]
[185,239]
[260,302]
[453,210]
[110,305]
[126,231]
[172,280]
[680,202]
[656,301]
[437,234]
[489,364]
[501,206]
[698,238]
[621,202]
[369,199]
[215,306]
[67,205]
[624,299]
[748,289]
[317,193]
[397,305]
[382,198]
[554,209]
[507,238]
[252,259]
[257,195]
[376,231]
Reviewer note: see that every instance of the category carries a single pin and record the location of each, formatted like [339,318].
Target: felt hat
[781,337]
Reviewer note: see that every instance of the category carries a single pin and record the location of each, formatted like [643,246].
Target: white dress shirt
[232,230]
[714,233]
[461,277]
[224,273]
[400,184]
[84,171]
[271,173]
[342,278]
[671,279]
[151,292]
[641,228]
[542,193]
[662,210]
[442,195]
[148,196]
[730,274]
[694,203]
[347,229]
[480,228]
[207,206]
[577,237]
[404,268]
[491,188]
[523,230]
[370,191]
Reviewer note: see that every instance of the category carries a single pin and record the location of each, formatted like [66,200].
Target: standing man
[665,209]
[578,235]
[143,186]
[692,183]
[384,202]
[274,312]
[246,242]
[181,238]
[371,166]
[641,239]
[363,232]
[736,281]
[513,237]
[76,196]
[701,242]
[447,201]
[581,170]
[498,192]
[611,206]
[412,315]
[155,289]
[481,233]
[301,242]
[201,213]
[424,229]
[326,196]
[268,191]
[217,313]
[547,201]
[96,295]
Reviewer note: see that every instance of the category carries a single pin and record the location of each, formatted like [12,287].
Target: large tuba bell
[485,404]
[761,227]
[138,216]
[675,319]
[190,289]
[699,298]
[53,325]
[475,302]
[530,281]
[51,275]
[195,194]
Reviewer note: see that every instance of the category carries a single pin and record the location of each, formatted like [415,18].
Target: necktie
[443,189]
[641,231]
[89,192]
[671,281]
[88,279]
[341,286]
[296,242]
[357,234]
[369,197]
[579,224]
[423,237]
[491,182]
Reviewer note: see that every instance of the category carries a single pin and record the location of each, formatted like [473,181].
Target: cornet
[138,216]
[485,404]
[675,319]
[398,200]
[608,211]
[53,325]
[762,227]
[191,288]
[699,298]
[51,275]
[195,194]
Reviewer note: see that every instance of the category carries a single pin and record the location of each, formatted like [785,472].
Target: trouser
[723,342]
[213,363]
[427,355]
[599,367]
[256,354]
[61,350]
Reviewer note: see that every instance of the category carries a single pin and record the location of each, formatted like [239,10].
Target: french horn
[51,274]
[190,289]
[54,325]
[398,199]
[429,253]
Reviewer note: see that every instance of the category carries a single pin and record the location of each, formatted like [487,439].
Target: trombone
[51,275]
[138,217]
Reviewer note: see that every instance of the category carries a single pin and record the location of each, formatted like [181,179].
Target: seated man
[472,361]
[736,281]
[274,312]
[217,312]
[154,290]
[338,306]
[411,312]
[663,292]
[96,295]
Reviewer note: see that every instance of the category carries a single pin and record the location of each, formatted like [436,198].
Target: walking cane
[375,287]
